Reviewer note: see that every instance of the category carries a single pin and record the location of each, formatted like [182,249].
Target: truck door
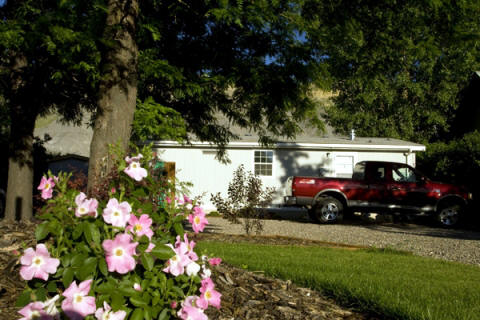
[407,189]
[376,180]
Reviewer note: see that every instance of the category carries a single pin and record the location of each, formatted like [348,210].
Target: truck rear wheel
[327,210]
[449,215]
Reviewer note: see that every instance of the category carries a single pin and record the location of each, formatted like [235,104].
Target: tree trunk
[19,202]
[117,90]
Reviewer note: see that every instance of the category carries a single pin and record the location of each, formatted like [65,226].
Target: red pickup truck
[377,186]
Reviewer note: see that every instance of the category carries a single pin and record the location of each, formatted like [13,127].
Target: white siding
[209,176]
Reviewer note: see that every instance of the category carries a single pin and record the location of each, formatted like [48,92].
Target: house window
[263,163]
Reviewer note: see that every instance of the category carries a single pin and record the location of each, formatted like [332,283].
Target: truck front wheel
[327,210]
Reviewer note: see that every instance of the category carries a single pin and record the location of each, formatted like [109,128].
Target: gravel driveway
[449,244]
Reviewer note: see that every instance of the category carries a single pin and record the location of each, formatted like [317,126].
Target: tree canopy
[398,66]
[48,61]
[245,60]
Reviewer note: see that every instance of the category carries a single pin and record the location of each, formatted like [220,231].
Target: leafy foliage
[153,120]
[457,161]
[79,243]
[241,61]
[57,40]
[246,199]
[398,67]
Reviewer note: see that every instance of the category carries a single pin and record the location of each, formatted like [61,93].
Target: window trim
[273,162]
[354,155]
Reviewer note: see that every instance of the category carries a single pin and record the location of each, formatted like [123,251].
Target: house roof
[70,139]
[65,138]
[314,143]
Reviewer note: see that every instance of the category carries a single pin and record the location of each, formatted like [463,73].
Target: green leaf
[54,227]
[128,291]
[88,269]
[178,219]
[77,232]
[162,281]
[42,231]
[155,299]
[137,314]
[24,298]
[178,227]
[138,302]
[67,277]
[147,261]
[102,265]
[163,315]
[178,291]
[52,286]
[92,233]
[40,294]
[66,260]
[147,313]
[144,239]
[163,252]
[117,300]
[78,259]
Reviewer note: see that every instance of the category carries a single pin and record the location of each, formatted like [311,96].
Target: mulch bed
[245,295]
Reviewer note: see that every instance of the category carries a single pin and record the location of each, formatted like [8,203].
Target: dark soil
[245,295]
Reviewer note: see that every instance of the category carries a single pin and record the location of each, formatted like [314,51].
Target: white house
[308,155]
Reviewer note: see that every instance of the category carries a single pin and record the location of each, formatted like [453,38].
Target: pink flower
[46,185]
[198,220]
[107,313]
[192,313]
[37,263]
[113,190]
[78,304]
[173,304]
[134,170]
[168,200]
[134,159]
[140,226]
[85,206]
[209,295]
[215,261]
[137,286]
[190,310]
[176,264]
[150,247]
[189,245]
[186,199]
[119,253]
[117,214]
[34,310]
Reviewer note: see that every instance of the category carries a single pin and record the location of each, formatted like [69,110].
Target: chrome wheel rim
[448,216]
[329,211]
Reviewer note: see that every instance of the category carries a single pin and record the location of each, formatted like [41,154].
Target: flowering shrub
[123,256]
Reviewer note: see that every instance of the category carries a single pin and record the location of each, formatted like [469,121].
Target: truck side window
[403,174]
[379,174]
[359,171]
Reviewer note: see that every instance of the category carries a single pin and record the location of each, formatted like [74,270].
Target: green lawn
[393,284]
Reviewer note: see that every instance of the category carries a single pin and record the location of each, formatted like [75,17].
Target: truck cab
[378,186]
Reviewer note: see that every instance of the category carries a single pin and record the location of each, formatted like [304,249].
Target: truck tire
[449,215]
[327,210]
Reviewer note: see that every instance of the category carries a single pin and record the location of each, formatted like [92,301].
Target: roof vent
[352,134]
